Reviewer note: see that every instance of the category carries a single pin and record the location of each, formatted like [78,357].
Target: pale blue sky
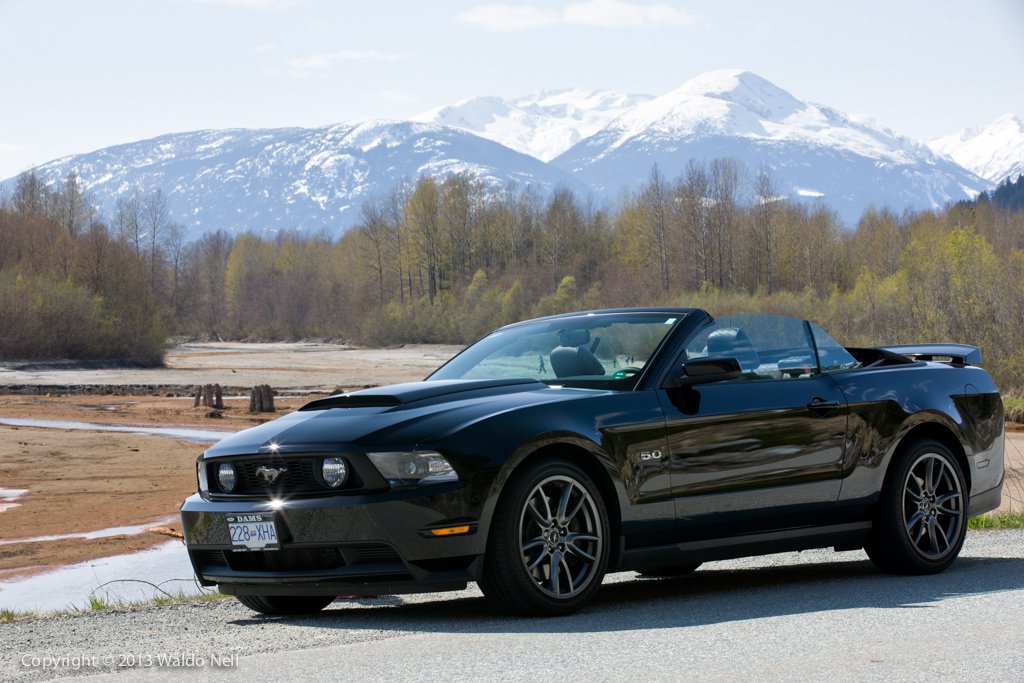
[78,76]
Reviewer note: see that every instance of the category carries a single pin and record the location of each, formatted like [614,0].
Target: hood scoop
[402,394]
[353,401]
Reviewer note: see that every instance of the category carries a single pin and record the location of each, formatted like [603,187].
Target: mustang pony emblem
[270,474]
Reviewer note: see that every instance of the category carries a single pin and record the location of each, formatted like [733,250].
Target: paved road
[813,615]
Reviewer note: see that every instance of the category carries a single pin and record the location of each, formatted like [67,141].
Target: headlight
[416,467]
[334,472]
[204,485]
[226,477]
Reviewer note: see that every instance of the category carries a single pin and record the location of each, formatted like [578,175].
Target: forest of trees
[445,260]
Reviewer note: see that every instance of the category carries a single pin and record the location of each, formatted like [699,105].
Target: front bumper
[333,545]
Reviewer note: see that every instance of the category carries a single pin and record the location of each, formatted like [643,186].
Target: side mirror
[706,370]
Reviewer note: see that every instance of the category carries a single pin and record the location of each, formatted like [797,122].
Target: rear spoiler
[954,354]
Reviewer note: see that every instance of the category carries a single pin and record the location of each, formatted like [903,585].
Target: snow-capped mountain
[542,124]
[994,152]
[813,150]
[306,179]
[316,179]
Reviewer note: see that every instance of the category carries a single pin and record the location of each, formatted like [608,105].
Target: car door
[762,451]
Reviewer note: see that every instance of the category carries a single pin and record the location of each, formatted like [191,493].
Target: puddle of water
[9,496]
[166,565]
[185,434]
[134,530]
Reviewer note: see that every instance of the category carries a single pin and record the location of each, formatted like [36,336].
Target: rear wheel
[548,546]
[276,604]
[922,516]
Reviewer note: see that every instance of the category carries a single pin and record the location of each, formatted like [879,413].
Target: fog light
[226,477]
[335,472]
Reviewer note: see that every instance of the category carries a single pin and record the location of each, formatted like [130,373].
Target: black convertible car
[556,450]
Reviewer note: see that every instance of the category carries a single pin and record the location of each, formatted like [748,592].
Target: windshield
[606,351]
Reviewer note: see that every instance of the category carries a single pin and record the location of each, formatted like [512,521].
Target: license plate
[253,532]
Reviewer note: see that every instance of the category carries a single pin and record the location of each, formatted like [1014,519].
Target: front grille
[296,476]
[297,559]
[291,560]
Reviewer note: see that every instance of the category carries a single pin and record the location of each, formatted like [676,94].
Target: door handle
[821,405]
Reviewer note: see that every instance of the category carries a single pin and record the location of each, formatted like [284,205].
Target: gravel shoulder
[781,617]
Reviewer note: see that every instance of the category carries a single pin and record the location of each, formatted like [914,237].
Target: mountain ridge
[313,179]
[994,152]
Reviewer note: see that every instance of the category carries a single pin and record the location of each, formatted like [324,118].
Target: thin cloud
[616,14]
[251,4]
[312,66]
[500,17]
[589,13]
[8,147]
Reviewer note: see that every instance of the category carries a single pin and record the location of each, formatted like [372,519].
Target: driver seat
[571,361]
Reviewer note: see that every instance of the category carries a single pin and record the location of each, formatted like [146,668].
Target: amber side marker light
[450,530]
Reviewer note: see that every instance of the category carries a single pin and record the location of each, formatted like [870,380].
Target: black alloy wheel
[548,548]
[922,518]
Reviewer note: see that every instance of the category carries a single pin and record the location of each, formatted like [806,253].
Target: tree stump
[261,400]
[209,395]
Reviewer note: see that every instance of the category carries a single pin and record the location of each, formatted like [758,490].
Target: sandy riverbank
[89,481]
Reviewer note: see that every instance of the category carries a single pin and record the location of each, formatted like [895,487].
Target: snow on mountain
[598,142]
[292,178]
[814,151]
[542,124]
[994,152]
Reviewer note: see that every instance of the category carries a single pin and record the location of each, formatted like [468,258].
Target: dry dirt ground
[281,365]
[86,481]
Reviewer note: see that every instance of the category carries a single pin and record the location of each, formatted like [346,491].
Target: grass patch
[1014,407]
[99,603]
[999,520]
[181,598]
[7,615]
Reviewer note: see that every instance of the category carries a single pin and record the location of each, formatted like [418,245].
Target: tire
[668,572]
[278,605]
[922,515]
[548,547]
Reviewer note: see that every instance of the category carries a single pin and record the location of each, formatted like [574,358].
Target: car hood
[396,416]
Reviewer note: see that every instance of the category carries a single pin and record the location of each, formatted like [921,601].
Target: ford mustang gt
[556,450]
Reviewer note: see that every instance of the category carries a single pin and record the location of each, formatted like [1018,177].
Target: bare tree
[693,198]
[654,201]
[764,224]
[374,229]
[128,218]
[156,222]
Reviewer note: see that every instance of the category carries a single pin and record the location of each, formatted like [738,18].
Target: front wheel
[277,605]
[548,547]
[922,516]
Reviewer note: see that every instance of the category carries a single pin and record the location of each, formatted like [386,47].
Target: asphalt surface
[795,616]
